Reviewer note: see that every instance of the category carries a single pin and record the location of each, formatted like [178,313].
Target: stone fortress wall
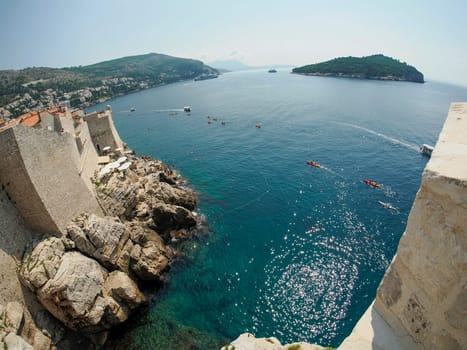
[12,247]
[47,169]
[102,130]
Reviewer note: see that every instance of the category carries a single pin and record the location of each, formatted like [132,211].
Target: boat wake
[386,137]
[167,110]
[329,170]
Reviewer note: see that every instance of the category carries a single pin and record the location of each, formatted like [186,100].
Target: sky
[428,34]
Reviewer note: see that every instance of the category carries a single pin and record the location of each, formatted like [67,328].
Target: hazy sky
[429,34]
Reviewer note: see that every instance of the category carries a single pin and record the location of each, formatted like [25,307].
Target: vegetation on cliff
[40,87]
[377,67]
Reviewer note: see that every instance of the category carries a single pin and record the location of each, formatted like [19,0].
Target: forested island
[37,88]
[377,67]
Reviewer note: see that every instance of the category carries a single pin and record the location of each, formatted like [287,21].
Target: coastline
[87,264]
[358,76]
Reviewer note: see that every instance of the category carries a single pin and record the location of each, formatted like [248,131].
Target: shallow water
[294,251]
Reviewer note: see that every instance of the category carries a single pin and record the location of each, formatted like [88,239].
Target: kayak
[316,165]
[371,183]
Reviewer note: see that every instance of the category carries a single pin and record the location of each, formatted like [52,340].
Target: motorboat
[426,149]
[187,109]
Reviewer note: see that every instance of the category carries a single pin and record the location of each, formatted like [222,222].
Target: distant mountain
[155,67]
[229,65]
[35,88]
[378,67]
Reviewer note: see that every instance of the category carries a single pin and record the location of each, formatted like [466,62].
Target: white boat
[426,149]
[387,205]
[187,109]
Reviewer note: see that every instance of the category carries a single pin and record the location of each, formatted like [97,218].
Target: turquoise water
[293,251]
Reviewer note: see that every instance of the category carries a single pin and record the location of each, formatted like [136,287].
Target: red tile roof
[29,119]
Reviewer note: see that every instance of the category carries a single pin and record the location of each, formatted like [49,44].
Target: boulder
[118,196]
[123,290]
[132,195]
[174,195]
[101,238]
[73,295]
[42,263]
[168,218]
[18,331]
[248,341]
[82,294]
[14,342]
[12,317]
[149,257]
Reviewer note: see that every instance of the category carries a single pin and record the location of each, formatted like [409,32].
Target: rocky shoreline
[90,277]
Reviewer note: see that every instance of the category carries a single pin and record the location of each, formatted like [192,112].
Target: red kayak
[316,165]
[372,183]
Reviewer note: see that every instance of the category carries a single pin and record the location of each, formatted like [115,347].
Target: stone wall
[40,175]
[15,180]
[13,239]
[88,153]
[102,130]
[424,292]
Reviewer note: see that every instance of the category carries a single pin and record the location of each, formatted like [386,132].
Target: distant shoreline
[358,76]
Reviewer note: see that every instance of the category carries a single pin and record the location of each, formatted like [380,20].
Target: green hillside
[36,88]
[377,67]
[154,67]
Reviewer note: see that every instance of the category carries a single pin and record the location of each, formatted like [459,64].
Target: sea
[287,249]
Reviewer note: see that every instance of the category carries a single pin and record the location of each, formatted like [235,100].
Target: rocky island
[375,67]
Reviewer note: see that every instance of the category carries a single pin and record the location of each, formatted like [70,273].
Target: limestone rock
[173,195]
[171,217]
[18,331]
[12,317]
[72,295]
[14,342]
[118,196]
[248,341]
[122,289]
[101,238]
[149,257]
[148,183]
[42,264]
[83,295]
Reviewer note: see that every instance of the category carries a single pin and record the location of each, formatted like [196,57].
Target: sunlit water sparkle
[294,251]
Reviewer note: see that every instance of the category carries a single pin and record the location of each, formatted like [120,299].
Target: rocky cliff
[88,278]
